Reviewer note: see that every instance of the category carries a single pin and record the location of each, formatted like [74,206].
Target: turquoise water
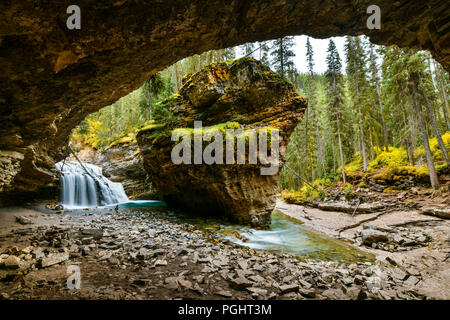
[284,235]
[142,204]
[288,235]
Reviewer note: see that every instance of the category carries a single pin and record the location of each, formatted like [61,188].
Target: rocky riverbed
[141,254]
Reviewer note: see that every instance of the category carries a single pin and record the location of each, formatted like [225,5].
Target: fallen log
[342,206]
[439,212]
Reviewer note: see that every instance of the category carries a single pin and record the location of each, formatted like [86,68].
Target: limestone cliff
[243,94]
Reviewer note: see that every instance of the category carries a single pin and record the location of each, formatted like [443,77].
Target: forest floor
[139,254]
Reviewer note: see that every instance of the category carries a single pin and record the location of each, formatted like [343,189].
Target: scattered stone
[223,293]
[411,281]
[141,282]
[54,258]
[94,233]
[257,291]
[12,262]
[289,288]
[159,263]
[240,283]
[398,274]
[308,293]
[370,236]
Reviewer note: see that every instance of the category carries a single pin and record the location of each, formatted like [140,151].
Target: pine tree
[248,49]
[375,80]
[282,54]
[356,79]
[335,94]
[310,90]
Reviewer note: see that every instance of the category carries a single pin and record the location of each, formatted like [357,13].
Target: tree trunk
[319,144]
[281,57]
[437,130]
[383,121]
[423,129]
[361,129]
[443,93]
[409,141]
[341,153]
[176,76]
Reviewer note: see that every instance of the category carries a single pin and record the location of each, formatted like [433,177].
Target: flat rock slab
[443,213]
[54,258]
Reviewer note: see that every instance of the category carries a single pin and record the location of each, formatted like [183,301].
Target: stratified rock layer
[52,77]
[246,94]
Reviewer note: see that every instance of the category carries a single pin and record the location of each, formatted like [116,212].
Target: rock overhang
[53,77]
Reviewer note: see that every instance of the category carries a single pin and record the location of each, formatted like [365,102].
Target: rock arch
[52,77]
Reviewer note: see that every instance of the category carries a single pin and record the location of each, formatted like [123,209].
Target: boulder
[12,262]
[242,95]
[370,236]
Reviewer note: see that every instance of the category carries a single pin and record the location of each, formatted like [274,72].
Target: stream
[84,186]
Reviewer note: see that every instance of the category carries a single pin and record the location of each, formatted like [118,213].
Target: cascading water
[85,186]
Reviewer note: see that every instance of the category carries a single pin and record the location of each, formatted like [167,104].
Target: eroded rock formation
[52,77]
[244,94]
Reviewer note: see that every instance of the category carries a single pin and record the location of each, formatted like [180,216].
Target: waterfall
[80,189]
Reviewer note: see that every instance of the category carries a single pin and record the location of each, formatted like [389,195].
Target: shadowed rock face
[241,95]
[52,77]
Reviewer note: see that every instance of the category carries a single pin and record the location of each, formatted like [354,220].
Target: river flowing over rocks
[135,254]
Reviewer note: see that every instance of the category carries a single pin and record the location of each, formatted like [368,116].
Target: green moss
[300,100]
[434,147]
[127,140]
[355,167]
[391,189]
[395,157]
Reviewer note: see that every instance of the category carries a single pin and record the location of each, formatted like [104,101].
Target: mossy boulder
[243,94]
